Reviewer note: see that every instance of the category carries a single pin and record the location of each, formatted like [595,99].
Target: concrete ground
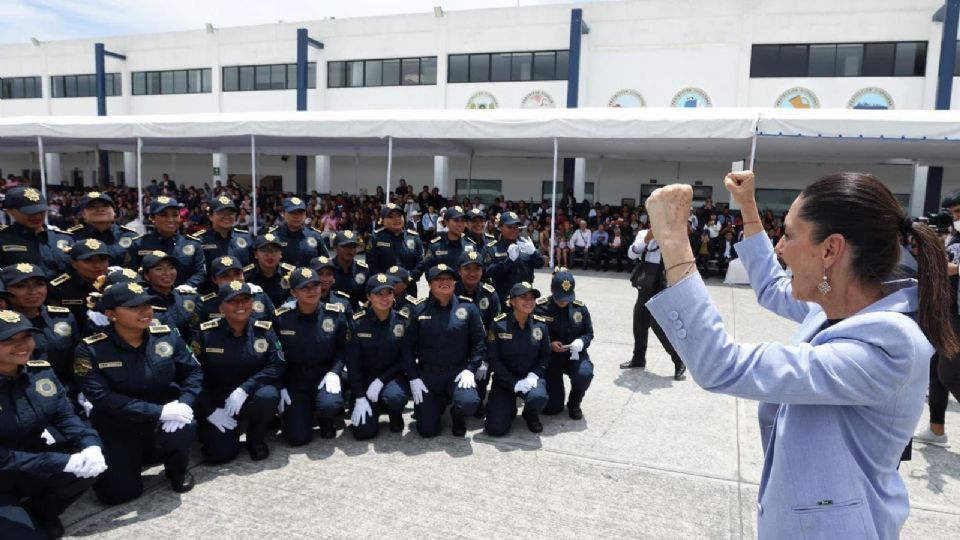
[653,458]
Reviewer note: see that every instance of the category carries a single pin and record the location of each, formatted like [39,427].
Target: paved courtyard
[652,458]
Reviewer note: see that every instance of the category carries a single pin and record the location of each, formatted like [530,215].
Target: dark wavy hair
[862,209]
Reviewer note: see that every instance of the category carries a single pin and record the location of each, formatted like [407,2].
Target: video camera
[941,221]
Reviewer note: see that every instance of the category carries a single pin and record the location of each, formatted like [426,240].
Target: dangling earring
[824,286]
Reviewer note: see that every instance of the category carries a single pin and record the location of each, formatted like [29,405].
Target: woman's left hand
[669,210]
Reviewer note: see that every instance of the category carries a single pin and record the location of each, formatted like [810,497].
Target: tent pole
[253,179]
[386,196]
[140,210]
[356,171]
[753,151]
[43,177]
[553,203]
[596,184]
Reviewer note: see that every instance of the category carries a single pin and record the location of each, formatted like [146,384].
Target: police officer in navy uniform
[58,334]
[391,245]
[350,275]
[476,228]
[299,242]
[446,248]
[374,359]
[518,351]
[443,353]
[175,306]
[223,238]
[324,268]
[143,382]
[38,481]
[223,270]
[482,294]
[509,260]
[166,237]
[314,336]
[403,300]
[571,332]
[268,271]
[99,223]
[29,240]
[242,368]
[89,259]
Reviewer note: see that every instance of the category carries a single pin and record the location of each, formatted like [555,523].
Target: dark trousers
[944,380]
[502,407]
[127,450]
[32,496]
[443,392]
[581,252]
[306,405]
[601,257]
[257,410]
[580,373]
[642,323]
[393,398]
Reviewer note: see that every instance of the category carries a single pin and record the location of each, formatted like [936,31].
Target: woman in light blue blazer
[839,403]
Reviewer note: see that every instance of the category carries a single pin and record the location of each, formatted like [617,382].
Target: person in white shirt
[580,242]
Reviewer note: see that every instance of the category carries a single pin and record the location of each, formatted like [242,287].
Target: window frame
[272,77]
[165,82]
[763,67]
[518,60]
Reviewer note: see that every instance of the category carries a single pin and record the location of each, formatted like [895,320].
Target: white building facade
[655,53]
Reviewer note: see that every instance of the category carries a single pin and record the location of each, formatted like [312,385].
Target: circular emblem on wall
[260,345]
[691,98]
[871,98]
[628,99]
[482,100]
[538,99]
[798,98]
[328,326]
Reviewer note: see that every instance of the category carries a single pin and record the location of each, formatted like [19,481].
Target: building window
[508,66]
[777,200]
[67,86]
[382,72]
[546,191]
[885,59]
[20,88]
[265,77]
[177,81]
[487,190]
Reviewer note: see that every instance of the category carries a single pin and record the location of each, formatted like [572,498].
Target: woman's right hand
[742,185]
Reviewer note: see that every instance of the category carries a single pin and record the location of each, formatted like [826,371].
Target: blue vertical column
[573,87]
[945,70]
[103,158]
[302,38]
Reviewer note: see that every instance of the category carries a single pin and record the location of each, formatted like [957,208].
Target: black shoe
[533,423]
[258,452]
[633,364]
[481,412]
[183,483]
[680,373]
[574,411]
[51,526]
[459,426]
[396,424]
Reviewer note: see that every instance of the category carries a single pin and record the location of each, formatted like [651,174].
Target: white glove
[635,247]
[284,400]
[255,289]
[186,289]
[235,402]
[221,420]
[332,383]
[47,437]
[523,386]
[75,464]
[532,378]
[513,251]
[169,426]
[466,379]
[82,400]
[94,463]
[575,347]
[361,410]
[373,391]
[97,318]
[482,371]
[290,304]
[176,412]
[526,246]
[418,389]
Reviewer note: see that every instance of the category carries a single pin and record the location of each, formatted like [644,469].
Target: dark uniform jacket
[353,281]
[191,268]
[57,341]
[275,286]
[239,245]
[314,344]
[444,339]
[45,249]
[118,239]
[177,310]
[385,249]
[486,299]
[129,386]
[513,352]
[69,290]
[504,273]
[376,352]
[30,402]
[249,361]
[567,324]
[299,247]
[209,307]
[443,250]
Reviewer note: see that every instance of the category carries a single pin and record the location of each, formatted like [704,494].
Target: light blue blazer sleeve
[768,280]
[863,360]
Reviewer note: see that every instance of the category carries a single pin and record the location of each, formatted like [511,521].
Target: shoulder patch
[128,229]
[57,309]
[419,301]
[139,236]
[578,303]
[329,306]
[38,364]
[404,313]
[542,300]
[466,299]
[266,325]
[288,267]
[359,314]
[99,336]
[73,229]
[491,243]
[489,288]
[212,323]
[435,240]
[249,267]
[341,293]
[362,264]
[316,230]
[160,329]
[159,308]
[197,235]
[539,318]
[500,317]
[241,230]
[208,297]
[375,231]
[280,311]
[411,231]
[60,280]
[411,299]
